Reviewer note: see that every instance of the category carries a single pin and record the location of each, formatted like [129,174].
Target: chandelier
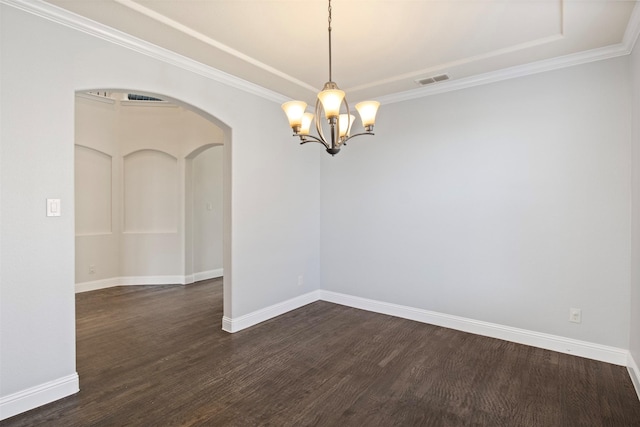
[331,101]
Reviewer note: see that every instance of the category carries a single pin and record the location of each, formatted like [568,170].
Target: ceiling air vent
[433,79]
[136,97]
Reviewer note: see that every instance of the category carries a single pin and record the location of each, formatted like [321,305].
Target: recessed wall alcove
[150,184]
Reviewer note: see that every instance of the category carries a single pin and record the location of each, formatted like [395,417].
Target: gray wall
[507,203]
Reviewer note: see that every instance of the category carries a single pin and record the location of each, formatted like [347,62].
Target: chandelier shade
[295,112]
[331,108]
[368,111]
[331,100]
[307,118]
[344,124]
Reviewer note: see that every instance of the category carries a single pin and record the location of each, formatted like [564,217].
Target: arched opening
[140,166]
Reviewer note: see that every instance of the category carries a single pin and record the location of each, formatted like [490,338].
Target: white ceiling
[380,47]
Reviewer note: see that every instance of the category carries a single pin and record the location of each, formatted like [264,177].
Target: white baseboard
[152,280]
[130,281]
[603,353]
[97,284]
[206,275]
[39,395]
[617,356]
[560,344]
[634,373]
[259,316]
[148,280]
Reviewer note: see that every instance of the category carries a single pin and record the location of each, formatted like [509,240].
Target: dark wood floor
[156,356]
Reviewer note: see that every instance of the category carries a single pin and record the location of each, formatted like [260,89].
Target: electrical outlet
[92,268]
[300,280]
[575,315]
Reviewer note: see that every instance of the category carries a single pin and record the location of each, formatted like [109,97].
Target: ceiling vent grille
[433,79]
[136,97]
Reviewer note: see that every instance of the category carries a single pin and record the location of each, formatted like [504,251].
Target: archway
[172,232]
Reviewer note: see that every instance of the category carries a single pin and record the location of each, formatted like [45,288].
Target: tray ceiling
[379,47]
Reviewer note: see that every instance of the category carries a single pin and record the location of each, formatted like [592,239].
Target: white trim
[509,73]
[633,29]
[227,324]
[152,280]
[64,17]
[152,104]
[259,316]
[148,280]
[603,353]
[617,356]
[85,25]
[631,34]
[158,17]
[206,275]
[159,232]
[39,395]
[91,97]
[97,284]
[446,67]
[98,233]
[629,39]
[634,373]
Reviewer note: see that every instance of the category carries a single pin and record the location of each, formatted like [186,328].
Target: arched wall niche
[146,216]
[201,149]
[93,186]
[151,196]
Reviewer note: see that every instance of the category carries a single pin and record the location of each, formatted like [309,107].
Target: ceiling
[380,47]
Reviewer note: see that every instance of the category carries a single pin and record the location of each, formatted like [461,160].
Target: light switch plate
[53,207]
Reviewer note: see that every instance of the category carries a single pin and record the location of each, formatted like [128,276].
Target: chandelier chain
[329,20]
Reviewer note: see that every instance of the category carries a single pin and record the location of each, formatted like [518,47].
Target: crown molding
[443,68]
[509,73]
[632,32]
[625,48]
[71,20]
[151,14]
[85,25]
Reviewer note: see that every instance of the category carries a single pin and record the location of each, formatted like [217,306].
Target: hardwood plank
[157,356]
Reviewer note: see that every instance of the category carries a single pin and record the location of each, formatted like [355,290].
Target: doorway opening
[152,192]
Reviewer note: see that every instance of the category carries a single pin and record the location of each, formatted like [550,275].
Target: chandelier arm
[357,134]
[311,138]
